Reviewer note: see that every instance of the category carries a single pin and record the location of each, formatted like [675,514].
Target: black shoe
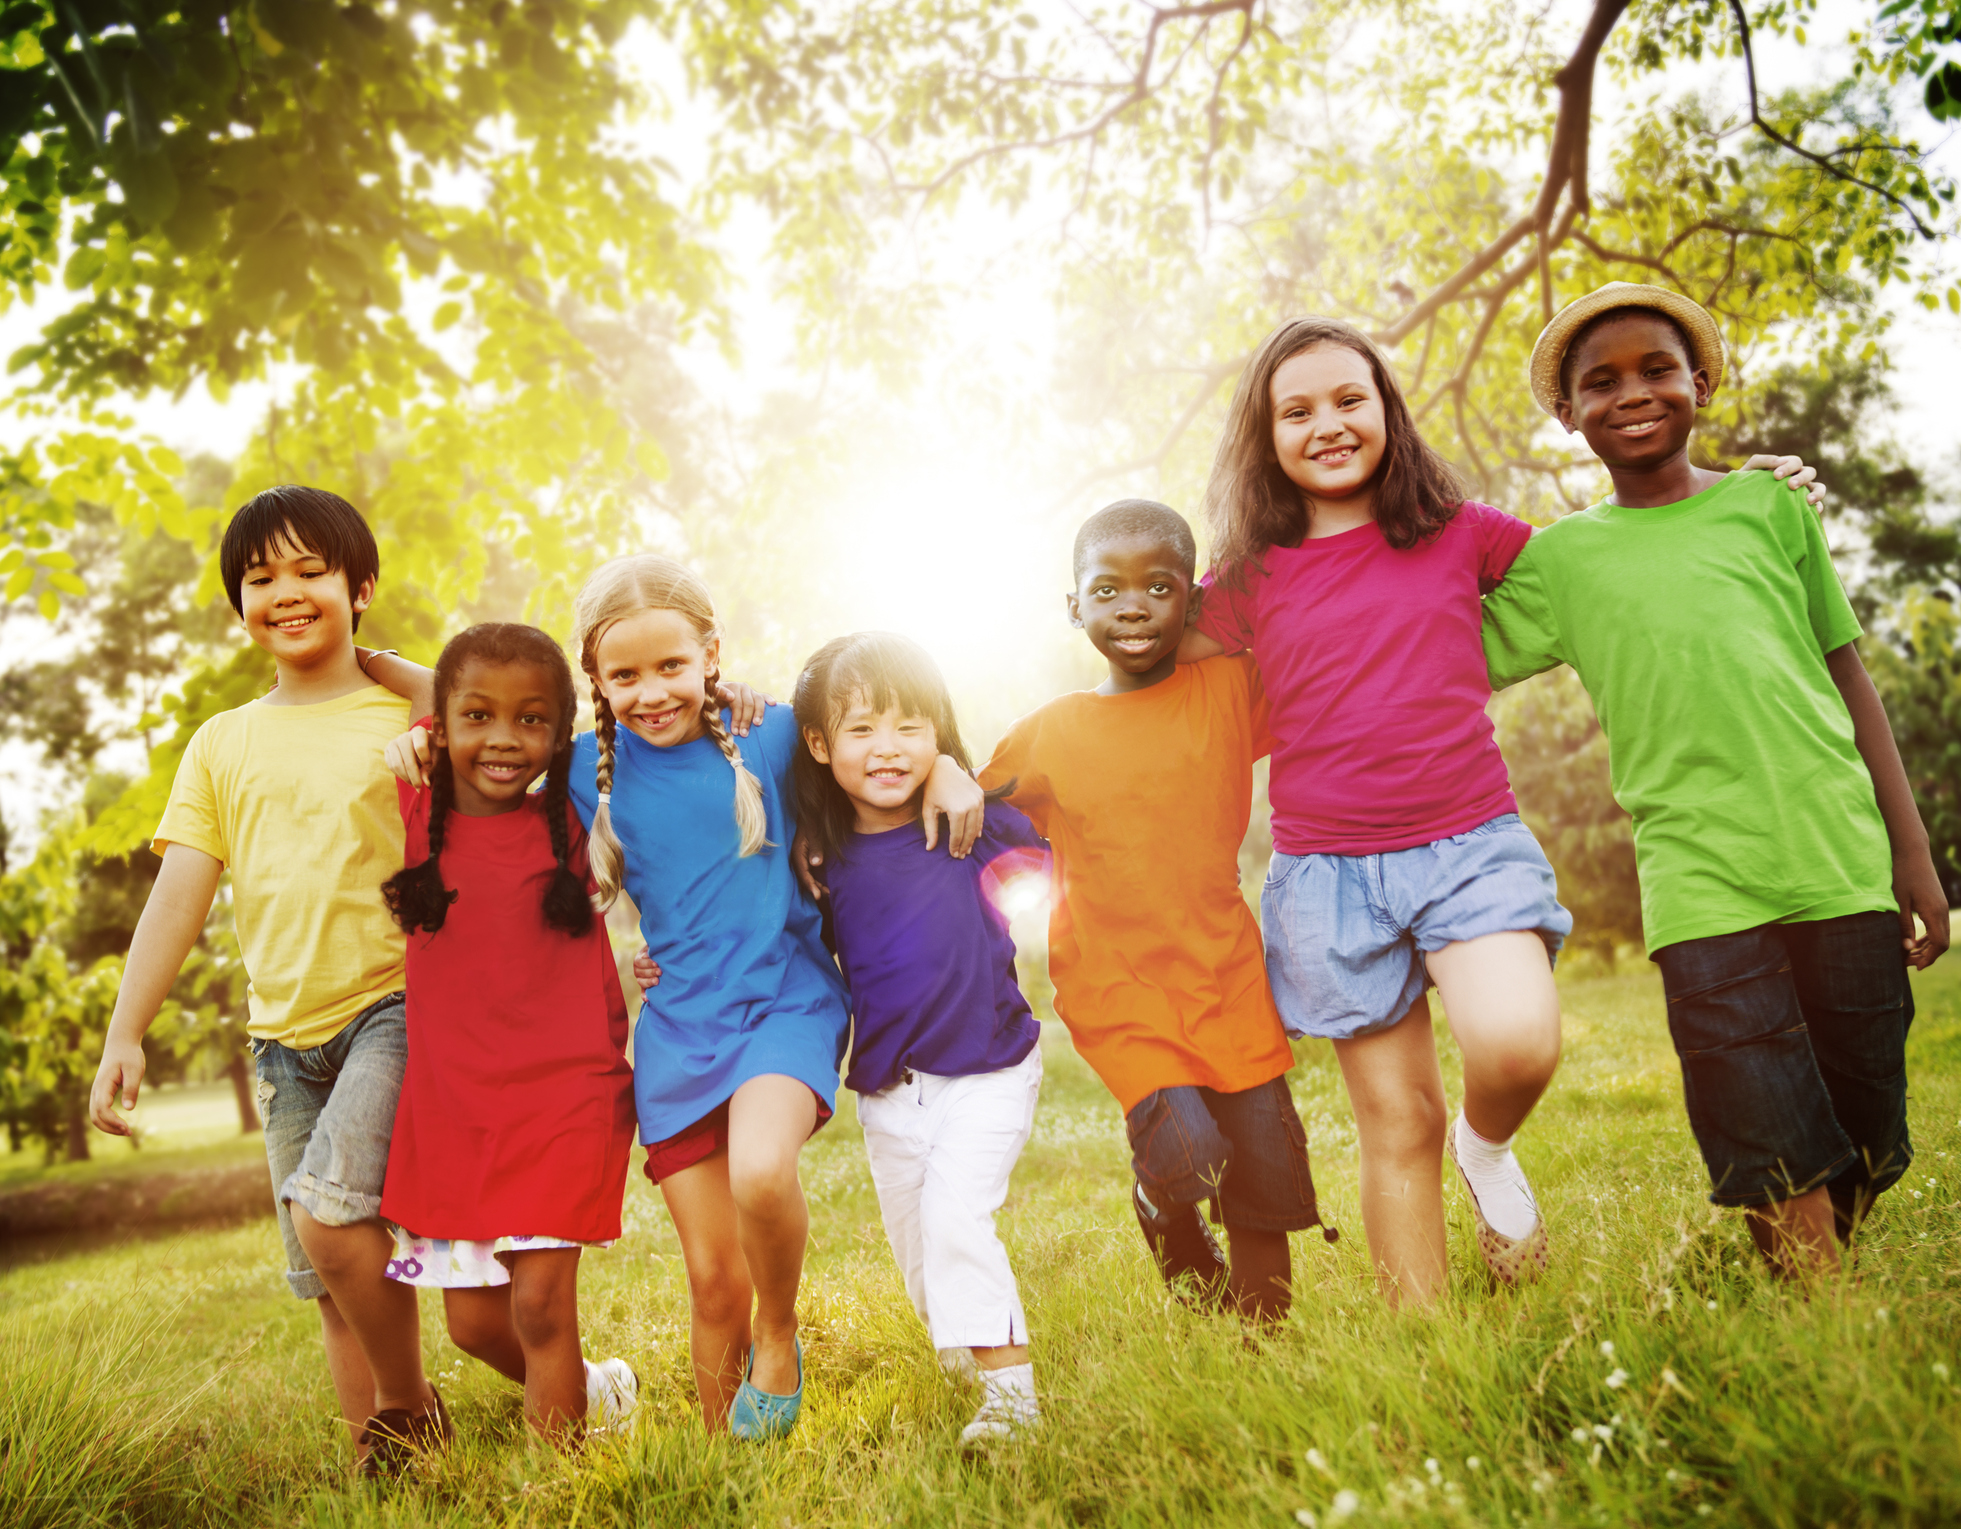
[1183,1246]
[393,1436]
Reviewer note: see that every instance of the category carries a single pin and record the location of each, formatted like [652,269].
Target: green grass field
[1656,1377]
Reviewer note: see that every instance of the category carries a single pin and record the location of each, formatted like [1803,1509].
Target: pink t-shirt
[1374,669]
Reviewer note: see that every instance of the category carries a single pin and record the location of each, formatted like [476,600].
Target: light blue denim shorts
[1346,934]
[329,1113]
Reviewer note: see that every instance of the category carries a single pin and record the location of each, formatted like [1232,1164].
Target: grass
[183,1126]
[174,1381]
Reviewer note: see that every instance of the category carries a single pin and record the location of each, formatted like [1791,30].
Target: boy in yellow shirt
[289,793]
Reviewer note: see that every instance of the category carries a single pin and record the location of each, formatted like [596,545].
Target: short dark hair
[1600,320]
[1135,517]
[324,524]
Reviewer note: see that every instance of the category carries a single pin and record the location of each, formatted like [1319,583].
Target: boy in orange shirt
[1161,978]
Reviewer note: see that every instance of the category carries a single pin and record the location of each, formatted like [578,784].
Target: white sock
[1010,1391]
[1498,1182]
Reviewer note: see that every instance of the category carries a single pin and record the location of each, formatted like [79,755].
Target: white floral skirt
[442,1263]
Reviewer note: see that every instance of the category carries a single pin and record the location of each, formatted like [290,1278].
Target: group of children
[440,1035]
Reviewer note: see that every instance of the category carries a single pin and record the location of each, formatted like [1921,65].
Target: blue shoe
[760,1415]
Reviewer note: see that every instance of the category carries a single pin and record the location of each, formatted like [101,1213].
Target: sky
[933,501]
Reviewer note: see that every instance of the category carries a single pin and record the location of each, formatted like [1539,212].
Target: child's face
[501,726]
[1134,600]
[880,758]
[1634,393]
[297,608]
[1329,430]
[653,671]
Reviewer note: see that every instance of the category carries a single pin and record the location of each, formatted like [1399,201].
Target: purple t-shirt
[925,948]
[1373,662]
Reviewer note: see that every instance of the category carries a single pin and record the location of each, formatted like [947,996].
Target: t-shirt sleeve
[191,816]
[1832,620]
[1014,765]
[582,788]
[1501,538]
[775,737]
[1521,631]
[1225,611]
[1260,713]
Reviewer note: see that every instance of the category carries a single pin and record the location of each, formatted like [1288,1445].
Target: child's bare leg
[719,1291]
[1397,1093]
[1260,1277]
[545,1311]
[480,1324]
[1001,1356]
[1796,1236]
[1499,997]
[770,1118]
[380,1312]
[353,1381]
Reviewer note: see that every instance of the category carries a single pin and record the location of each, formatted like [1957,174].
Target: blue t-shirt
[746,985]
[925,949]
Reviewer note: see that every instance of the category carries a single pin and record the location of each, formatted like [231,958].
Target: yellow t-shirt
[296,801]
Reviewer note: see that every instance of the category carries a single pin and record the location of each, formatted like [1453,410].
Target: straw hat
[1705,340]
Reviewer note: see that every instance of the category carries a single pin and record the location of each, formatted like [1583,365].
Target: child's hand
[646,971]
[745,704]
[804,860]
[408,757]
[1918,886]
[1792,473]
[952,790]
[122,1069]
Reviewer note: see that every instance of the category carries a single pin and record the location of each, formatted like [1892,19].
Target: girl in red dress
[516,1119]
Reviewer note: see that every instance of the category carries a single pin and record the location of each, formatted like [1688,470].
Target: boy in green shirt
[1782,859]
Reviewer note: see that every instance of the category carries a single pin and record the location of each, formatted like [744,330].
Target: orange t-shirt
[1156,959]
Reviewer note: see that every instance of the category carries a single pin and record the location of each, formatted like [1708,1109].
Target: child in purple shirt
[945,1054]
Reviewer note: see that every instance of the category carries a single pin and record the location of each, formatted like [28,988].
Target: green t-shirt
[1700,630]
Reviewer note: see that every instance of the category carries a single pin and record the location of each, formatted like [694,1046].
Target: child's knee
[542,1316]
[718,1291]
[475,1328]
[764,1183]
[1412,1132]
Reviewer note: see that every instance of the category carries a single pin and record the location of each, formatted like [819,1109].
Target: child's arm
[1915,881]
[411,682]
[1792,473]
[1195,645]
[168,928]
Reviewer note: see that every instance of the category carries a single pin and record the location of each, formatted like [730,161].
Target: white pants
[941,1151]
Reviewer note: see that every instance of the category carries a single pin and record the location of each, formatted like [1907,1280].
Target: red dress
[516,1116]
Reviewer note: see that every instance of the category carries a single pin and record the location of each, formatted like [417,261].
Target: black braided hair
[416,894]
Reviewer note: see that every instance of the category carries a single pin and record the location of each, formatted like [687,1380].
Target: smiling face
[1133,600]
[653,670]
[1329,430]
[881,759]
[501,726]
[298,608]
[1634,391]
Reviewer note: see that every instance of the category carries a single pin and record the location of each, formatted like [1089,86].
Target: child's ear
[364,596]
[1563,412]
[1075,610]
[820,750]
[1194,601]
[713,651]
[1703,391]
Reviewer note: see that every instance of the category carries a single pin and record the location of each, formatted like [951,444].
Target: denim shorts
[329,1112]
[1792,1039]
[1346,934]
[1247,1152]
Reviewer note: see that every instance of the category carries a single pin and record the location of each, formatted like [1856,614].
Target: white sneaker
[612,1392]
[1008,1407]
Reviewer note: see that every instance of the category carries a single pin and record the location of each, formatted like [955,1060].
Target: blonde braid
[751,821]
[604,852]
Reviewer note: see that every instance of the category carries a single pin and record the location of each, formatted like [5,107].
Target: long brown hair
[622,588]
[1250,502]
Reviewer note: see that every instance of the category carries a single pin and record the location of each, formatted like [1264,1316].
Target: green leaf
[50,606]
[82,268]
[446,315]
[19,582]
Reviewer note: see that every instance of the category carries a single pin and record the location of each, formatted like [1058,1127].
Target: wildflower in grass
[1616,1380]
[1473,1463]
[1940,1371]
[1882,1315]
[1712,1305]
[1607,1349]
[1305,1516]
[1433,1467]
[1345,1505]
[1320,1462]
[1580,1436]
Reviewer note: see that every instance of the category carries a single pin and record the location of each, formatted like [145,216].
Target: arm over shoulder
[1226,607]
[1016,763]
[1522,636]
[1501,538]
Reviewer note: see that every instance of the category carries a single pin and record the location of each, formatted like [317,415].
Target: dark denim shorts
[1792,1039]
[1247,1152]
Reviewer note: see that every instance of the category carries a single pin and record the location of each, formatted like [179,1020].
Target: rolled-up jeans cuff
[305,1284]
[328,1203]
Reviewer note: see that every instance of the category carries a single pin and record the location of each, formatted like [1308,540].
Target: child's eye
[1160,589]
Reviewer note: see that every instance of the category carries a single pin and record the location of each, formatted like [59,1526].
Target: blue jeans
[1792,1039]
[329,1113]
[1247,1152]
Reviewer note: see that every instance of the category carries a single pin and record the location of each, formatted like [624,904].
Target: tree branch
[1822,161]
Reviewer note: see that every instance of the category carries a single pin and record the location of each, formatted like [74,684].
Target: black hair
[416,894]
[1601,320]
[887,670]
[311,518]
[1135,517]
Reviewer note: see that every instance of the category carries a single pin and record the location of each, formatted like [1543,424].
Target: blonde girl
[736,1053]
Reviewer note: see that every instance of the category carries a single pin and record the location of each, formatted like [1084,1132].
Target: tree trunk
[78,1132]
[242,1081]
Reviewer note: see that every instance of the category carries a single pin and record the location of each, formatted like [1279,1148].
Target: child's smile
[500,725]
[1132,602]
[296,607]
[1634,392]
[881,758]
[1329,431]
[653,669]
